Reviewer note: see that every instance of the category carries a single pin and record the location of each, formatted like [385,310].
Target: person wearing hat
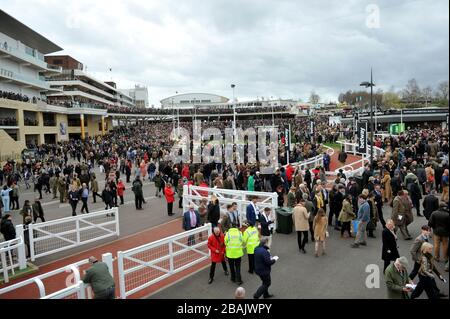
[396,278]
[100,279]
[424,237]
[291,201]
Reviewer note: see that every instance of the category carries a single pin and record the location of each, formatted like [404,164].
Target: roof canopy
[19,31]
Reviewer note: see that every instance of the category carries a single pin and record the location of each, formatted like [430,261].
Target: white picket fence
[148,264]
[75,288]
[66,233]
[12,255]
[315,161]
[194,194]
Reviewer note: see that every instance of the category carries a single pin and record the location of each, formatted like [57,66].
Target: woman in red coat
[170,198]
[120,190]
[185,172]
[216,244]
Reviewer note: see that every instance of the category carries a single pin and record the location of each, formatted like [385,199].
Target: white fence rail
[350,147]
[66,233]
[315,161]
[148,264]
[12,255]
[70,274]
[194,194]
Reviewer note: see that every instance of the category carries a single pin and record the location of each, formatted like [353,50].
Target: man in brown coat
[399,215]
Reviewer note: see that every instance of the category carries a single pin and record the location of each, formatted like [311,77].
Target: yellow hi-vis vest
[234,243]
[251,239]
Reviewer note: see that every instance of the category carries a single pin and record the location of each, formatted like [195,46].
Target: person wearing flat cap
[100,279]
[396,278]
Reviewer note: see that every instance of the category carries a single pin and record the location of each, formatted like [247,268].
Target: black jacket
[430,204]
[7,229]
[265,231]
[263,262]
[213,213]
[440,222]
[389,249]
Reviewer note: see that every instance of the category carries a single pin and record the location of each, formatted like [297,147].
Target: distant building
[66,62]
[139,94]
[188,100]
[79,88]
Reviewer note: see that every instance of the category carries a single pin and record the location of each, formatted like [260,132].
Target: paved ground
[131,220]
[339,274]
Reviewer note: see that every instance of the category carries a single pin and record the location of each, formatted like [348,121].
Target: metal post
[116,216]
[371,117]
[171,257]
[21,249]
[5,267]
[107,258]
[31,242]
[234,115]
[121,275]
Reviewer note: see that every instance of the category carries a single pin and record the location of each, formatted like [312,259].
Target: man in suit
[191,220]
[252,212]
[263,265]
[265,224]
[415,249]
[389,249]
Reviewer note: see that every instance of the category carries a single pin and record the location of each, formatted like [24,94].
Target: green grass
[20,273]
[335,146]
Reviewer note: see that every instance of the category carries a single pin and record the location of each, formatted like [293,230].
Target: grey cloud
[267,48]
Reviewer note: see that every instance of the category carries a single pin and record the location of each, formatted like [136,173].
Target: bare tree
[314,98]
[427,93]
[411,92]
[442,90]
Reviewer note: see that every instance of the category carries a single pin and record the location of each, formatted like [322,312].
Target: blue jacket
[251,215]
[187,220]
[364,212]
[263,262]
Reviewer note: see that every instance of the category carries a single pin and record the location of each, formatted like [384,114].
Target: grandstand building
[188,100]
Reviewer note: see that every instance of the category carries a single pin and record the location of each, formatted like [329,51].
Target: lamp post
[178,117]
[371,85]
[234,113]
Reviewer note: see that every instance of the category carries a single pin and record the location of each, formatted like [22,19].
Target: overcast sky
[267,48]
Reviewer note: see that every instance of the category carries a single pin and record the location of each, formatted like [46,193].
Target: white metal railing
[12,255]
[143,266]
[194,194]
[315,161]
[68,276]
[350,147]
[66,233]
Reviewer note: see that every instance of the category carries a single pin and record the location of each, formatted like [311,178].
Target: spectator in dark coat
[440,223]
[263,265]
[252,212]
[213,211]
[7,228]
[416,196]
[389,249]
[430,204]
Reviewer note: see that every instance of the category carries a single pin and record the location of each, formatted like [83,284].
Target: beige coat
[300,217]
[387,189]
[320,228]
